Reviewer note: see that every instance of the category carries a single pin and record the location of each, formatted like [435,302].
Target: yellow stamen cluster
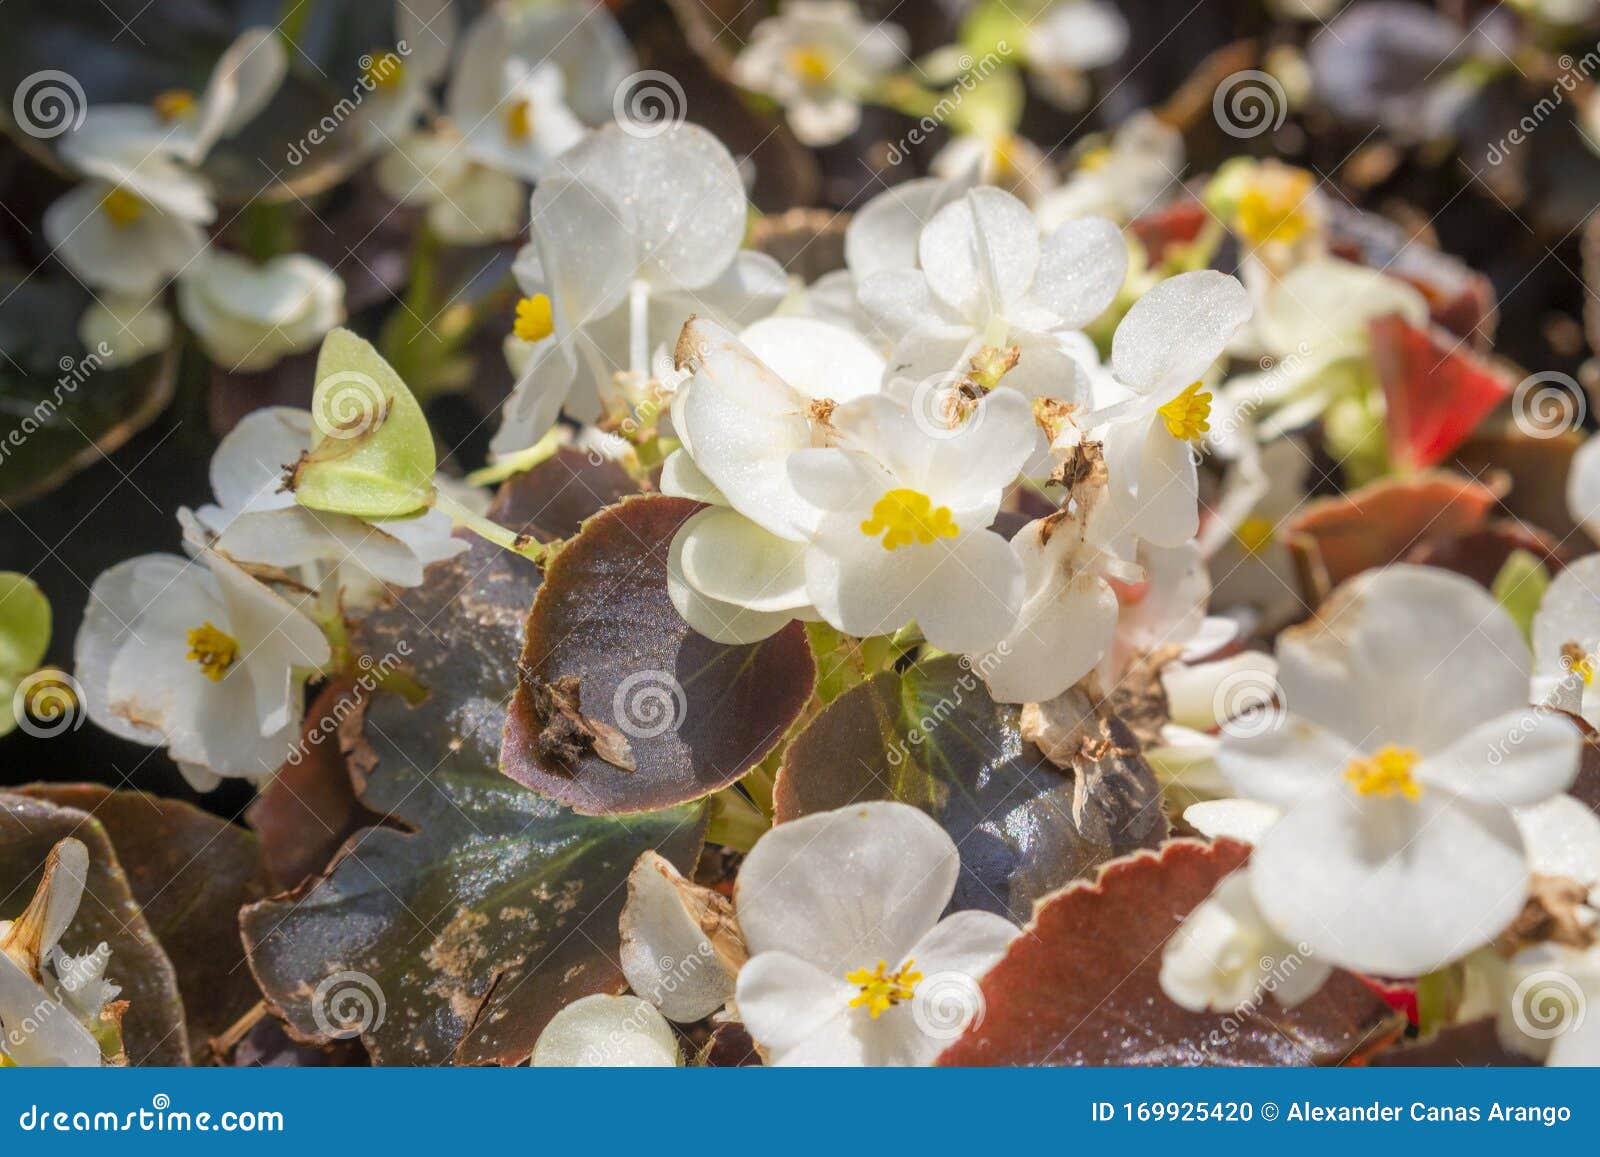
[1188,415]
[519,120]
[1094,160]
[534,321]
[1255,534]
[881,990]
[385,71]
[1575,659]
[122,206]
[905,516]
[174,104]
[214,650]
[1275,206]
[810,63]
[1386,774]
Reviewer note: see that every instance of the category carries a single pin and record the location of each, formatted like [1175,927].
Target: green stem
[735,822]
[490,530]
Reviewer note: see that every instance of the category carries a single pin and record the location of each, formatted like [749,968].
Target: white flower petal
[666,955]
[980,253]
[845,889]
[883,234]
[1176,330]
[603,1031]
[1284,764]
[1517,759]
[1080,271]
[820,360]
[726,557]
[799,1013]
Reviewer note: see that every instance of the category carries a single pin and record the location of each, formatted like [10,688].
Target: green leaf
[1520,587]
[24,637]
[695,715]
[932,737]
[372,452]
[481,908]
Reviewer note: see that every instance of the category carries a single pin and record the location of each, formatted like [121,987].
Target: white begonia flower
[257,520]
[850,963]
[1006,161]
[1550,1006]
[1406,743]
[1066,40]
[1226,957]
[116,240]
[736,572]
[1566,641]
[636,235]
[178,123]
[126,327]
[989,280]
[819,59]
[905,511]
[1314,322]
[509,110]
[48,999]
[1125,179]
[468,202]
[604,1031]
[248,316]
[1068,614]
[579,38]
[399,82]
[198,657]
[1160,354]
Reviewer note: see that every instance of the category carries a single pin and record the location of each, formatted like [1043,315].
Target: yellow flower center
[1273,208]
[810,63]
[1578,661]
[385,71]
[519,120]
[905,516]
[1386,774]
[1094,160]
[1255,534]
[1187,416]
[881,990]
[534,322]
[214,650]
[174,104]
[1005,165]
[122,206]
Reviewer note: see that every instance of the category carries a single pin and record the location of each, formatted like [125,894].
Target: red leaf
[1437,390]
[1081,985]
